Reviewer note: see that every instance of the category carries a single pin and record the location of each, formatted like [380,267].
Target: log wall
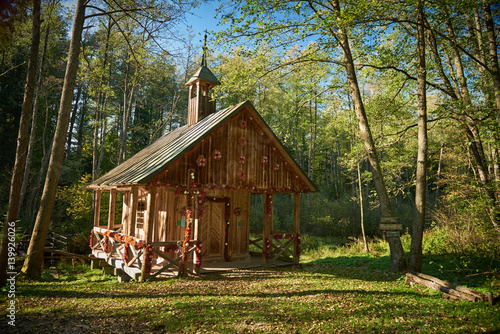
[238,155]
[170,219]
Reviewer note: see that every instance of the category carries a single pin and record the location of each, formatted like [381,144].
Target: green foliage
[77,202]
[327,218]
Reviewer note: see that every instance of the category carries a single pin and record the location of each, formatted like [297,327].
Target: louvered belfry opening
[201,98]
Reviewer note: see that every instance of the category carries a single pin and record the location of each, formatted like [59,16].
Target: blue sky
[204,18]
[200,19]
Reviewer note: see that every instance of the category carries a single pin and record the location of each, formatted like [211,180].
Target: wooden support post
[196,268]
[148,232]
[126,212]
[112,209]
[296,227]
[97,212]
[134,199]
[267,228]
[97,207]
[132,217]
[189,218]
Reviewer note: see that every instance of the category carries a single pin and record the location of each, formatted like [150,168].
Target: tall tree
[22,139]
[398,261]
[32,267]
[296,20]
[415,260]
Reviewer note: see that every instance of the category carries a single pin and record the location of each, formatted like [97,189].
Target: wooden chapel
[186,197]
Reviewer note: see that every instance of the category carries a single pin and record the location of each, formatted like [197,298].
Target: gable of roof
[152,160]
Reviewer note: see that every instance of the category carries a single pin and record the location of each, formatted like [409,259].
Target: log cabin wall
[237,159]
[170,219]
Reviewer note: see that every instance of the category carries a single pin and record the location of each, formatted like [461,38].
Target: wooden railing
[278,246]
[133,251]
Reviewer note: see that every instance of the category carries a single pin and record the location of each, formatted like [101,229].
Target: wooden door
[212,232]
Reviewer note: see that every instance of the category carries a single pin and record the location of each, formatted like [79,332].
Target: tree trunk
[398,261]
[492,47]
[123,134]
[361,210]
[440,165]
[22,140]
[99,108]
[72,123]
[79,138]
[415,260]
[34,118]
[32,267]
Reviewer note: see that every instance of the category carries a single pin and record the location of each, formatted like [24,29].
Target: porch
[133,257]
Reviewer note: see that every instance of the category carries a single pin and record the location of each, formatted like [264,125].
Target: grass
[341,290]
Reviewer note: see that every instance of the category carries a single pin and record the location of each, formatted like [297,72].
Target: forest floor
[348,294]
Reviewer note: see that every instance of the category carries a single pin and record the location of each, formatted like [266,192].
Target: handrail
[142,253]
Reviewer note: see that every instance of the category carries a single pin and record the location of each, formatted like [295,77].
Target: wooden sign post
[390,226]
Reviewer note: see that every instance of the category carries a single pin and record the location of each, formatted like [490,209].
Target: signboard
[391,227]
[390,224]
[392,234]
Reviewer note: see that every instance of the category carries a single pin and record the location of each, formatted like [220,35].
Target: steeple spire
[201,101]
[204,55]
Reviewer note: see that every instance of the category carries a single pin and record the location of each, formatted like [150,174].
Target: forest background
[136,57]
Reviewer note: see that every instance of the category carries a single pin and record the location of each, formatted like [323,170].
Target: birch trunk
[415,260]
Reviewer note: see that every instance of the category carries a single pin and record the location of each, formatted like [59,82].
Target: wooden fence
[278,246]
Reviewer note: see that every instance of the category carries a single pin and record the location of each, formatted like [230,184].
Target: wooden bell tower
[201,100]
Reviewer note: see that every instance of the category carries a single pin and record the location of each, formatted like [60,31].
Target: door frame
[227,216]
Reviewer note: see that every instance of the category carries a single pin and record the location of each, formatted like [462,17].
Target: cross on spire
[204,56]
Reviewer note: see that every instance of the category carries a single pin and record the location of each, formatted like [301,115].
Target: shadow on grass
[286,293]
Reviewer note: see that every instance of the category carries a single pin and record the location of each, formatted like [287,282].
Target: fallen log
[449,290]
[464,289]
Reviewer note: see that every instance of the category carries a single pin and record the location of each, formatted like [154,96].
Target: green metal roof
[149,162]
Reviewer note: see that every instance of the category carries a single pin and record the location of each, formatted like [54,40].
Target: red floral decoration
[242,175]
[126,247]
[91,237]
[148,259]
[265,159]
[237,211]
[242,159]
[269,204]
[266,249]
[105,242]
[277,167]
[198,249]
[243,124]
[283,236]
[201,161]
[242,141]
[216,155]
